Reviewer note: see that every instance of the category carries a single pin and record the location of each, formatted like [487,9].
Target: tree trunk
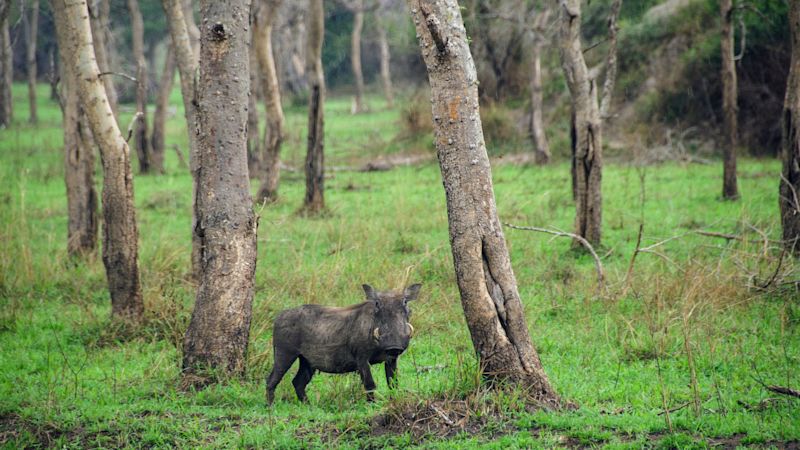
[179,26]
[273,135]
[386,73]
[6,67]
[587,149]
[253,135]
[160,114]
[78,170]
[486,281]
[31,30]
[219,330]
[790,149]
[315,170]
[541,148]
[730,190]
[120,234]
[101,34]
[140,133]
[355,55]
[54,76]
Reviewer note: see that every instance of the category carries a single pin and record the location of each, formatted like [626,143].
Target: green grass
[68,377]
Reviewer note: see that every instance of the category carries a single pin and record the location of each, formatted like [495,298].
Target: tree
[120,233]
[78,167]
[219,330]
[489,293]
[790,149]
[383,44]
[160,114]
[587,143]
[253,136]
[315,170]
[182,43]
[31,24]
[104,46]
[730,190]
[6,67]
[541,148]
[357,8]
[266,12]
[143,149]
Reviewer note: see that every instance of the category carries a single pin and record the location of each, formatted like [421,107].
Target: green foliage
[69,378]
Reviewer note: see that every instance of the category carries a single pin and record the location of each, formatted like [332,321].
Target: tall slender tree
[31,24]
[100,20]
[790,149]
[6,67]
[160,114]
[140,135]
[381,16]
[266,12]
[730,189]
[315,170]
[489,294]
[219,330]
[120,233]
[357,8]
[541,147]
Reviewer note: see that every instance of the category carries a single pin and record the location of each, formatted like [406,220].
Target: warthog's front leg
[390,366]
[366,378]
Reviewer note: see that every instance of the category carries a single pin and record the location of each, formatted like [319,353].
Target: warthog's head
[392,330]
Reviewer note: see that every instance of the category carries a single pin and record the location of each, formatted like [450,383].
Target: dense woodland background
[678,330]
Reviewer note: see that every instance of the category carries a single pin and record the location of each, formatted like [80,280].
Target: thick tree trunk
[315,170]
[140,134]
[31,30]
[101,35]
[790,149]
[386,73]
[6,67]
[730,190]
[219,330]
[273,135]
[120,234]
[541,148]
[179,26]
[587,146]
[355,55]
[486,281]
[78,170]
[160,114]
[253,135]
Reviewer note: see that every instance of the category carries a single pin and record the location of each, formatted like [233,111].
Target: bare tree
[266,12]
[104,46]
[160,114]
[219,330]
[381,14]
[182,43]
[253,135]
[290,52]
[120,233]
[790,148]
[31,24]
[315,170]
[140,135]
[730,190]
[541,148]
[486,281]
[587,143]
[6,67]
[357,8]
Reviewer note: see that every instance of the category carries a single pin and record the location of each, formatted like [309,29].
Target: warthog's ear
[371,294]
[411,292]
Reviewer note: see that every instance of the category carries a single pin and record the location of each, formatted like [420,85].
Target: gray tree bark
[730,190]
[103,46]
[219,330]
[253,135]
[386,72]
[315,170]
[273,134]
[541,148]
[160,114]
[31,24]
[179,26]
[789,197]
[489,293]
[6,67]
[357,8]
[140,134]
[120,233]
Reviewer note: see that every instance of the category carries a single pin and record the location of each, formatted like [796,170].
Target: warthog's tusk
[412,328]
[376,333]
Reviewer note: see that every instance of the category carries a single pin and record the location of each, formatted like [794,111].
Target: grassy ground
[674,360]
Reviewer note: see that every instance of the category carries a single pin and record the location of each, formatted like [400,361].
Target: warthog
[341,340]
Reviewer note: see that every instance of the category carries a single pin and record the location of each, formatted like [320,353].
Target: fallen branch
[783,390]
[119,74]
[732,237]
[598,265]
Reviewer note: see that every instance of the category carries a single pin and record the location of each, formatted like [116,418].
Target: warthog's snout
[395,351]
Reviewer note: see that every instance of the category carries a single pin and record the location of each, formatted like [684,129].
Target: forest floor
[676,355]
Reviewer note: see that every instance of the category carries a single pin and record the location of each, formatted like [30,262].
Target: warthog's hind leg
[283,361]
[301,380]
